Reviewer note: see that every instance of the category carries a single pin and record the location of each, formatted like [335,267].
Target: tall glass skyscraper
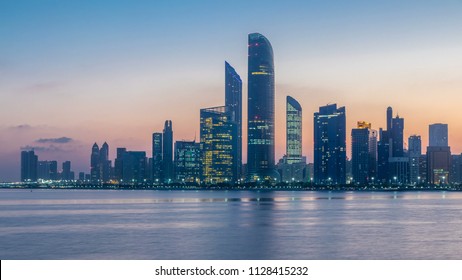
[233,101]
[294,131]
[167,152]
[260,143]
[330,145]
[216,133]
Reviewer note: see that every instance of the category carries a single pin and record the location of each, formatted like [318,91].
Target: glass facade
[330,145]
[233,100]
[260,145]
[188,162]
[293,131]
[216,132]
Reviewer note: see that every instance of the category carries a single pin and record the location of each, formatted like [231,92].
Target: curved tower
[294,131]
[260,143]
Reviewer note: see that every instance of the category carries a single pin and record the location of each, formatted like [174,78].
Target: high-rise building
[233,101]
[360,153]
[438,165]
[167,153]
[415,151]
[29,162]
[95,164]
[330,145]
[216,133]
[438,155]
[261,107]
[66,173]
[47,170]
[118,164]
[397,135]
[188,162]
[293,131]
[134,167]
[383,155]
[156,157]
[389,118]
[456,169]
[292,167]
[438,135]
[105,163]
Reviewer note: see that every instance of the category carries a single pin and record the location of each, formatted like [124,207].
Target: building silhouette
[156,165]
[261,107]
[188,162]
[363,153]
[397,135]
[216,134]
[47,170]
[415,152]
[167,153]
[233,101]
[29,162]
[100,165]
[118,164]
[438,155]
[67,173]
[330,145]
[95,164]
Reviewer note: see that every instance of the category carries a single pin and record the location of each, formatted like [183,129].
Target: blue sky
[115,70]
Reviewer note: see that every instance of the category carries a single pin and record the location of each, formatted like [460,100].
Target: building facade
[188,162]
[330,145]
[261,108]
[233,101]
[216,134]
[167,153]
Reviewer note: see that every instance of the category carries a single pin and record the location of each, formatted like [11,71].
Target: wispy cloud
[60,140]
[20,127]
[51,148]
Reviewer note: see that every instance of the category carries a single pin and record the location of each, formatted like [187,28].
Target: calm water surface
[106,224]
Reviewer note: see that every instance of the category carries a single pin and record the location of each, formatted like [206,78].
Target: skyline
[76,92]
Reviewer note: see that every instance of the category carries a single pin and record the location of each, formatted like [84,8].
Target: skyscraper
[415,151]
[118,163]
[47,170]
[95,166]
[360,153]
[383,155]
[438,135]
[156,157]
[188,162]
[260,144]
[29,162]
[438,155]
[389,118]
[67,174]
[397,135]
[105,163]
[134,166]
[233,101]
[216,134]
[330,145]
[293,131]
[167,152]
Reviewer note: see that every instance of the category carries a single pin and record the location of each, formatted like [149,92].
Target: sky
[77,72]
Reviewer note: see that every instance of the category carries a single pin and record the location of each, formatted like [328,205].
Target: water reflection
[229,225]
